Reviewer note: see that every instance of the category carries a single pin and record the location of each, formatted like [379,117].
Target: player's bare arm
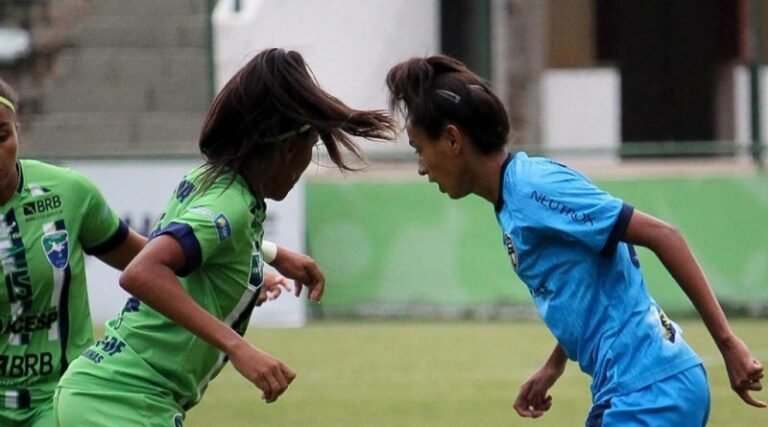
[744,371]
[302,269]
[151,277]
[122,254]
[533,399]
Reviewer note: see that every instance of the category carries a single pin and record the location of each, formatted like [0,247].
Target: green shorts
[40,416]
[106,408]
[27,408]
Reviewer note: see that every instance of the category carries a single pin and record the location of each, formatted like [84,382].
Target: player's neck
[486,171]
[8,186]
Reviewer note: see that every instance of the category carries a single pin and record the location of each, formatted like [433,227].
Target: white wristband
[268,250]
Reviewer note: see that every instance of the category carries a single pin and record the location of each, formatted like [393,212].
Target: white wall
[742,107]
[582,108]
[349,44]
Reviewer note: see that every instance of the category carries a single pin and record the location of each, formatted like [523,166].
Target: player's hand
[270,375]
[303,270]
[744,371]
[532,399]
[272,285]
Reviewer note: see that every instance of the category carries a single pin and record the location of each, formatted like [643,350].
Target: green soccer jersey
[54,217]
[220,231]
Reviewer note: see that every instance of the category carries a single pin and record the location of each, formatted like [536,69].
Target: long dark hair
[435,91]
[275,94]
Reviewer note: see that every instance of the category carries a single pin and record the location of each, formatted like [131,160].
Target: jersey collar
[500,202]
[20,170]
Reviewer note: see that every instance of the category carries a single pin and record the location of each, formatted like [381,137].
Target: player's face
[8,147]
[296,158]
[440,161]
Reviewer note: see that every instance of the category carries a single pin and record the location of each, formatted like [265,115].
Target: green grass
[423,374]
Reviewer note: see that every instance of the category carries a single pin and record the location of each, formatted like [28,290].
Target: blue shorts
[679,400]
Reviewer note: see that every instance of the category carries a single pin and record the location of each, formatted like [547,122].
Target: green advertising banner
[391,248]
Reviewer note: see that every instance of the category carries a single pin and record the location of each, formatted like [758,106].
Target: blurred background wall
[661,100]
[126,78]
[110,77]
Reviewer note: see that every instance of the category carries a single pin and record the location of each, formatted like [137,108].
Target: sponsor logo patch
[222,227]
[41,205]
[25,365]
[562,209]
[203,211]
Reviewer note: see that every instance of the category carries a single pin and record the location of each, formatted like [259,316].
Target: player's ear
[454,138]
[287,150]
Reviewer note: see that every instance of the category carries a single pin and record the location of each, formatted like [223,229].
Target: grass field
[424,374]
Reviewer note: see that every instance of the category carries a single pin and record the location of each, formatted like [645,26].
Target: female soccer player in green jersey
[197,279]
[49,218]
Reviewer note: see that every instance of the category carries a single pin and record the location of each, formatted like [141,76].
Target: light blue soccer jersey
[564,238]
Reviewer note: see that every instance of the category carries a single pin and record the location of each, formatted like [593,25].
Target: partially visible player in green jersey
[198,278]
[50,217]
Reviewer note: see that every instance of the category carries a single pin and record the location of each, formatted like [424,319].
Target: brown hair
[273,96]
[436,91]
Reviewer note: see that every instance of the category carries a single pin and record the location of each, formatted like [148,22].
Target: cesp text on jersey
[28,322]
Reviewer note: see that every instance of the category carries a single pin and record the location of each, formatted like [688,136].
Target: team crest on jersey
[509,244]
[667,328]
[222,226]
[56,248]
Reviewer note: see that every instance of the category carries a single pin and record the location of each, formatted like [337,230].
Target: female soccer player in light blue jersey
[572,245]
[199,276]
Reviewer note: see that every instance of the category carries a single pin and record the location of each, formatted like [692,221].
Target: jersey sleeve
[205,227]
[101,229]
[561,202]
